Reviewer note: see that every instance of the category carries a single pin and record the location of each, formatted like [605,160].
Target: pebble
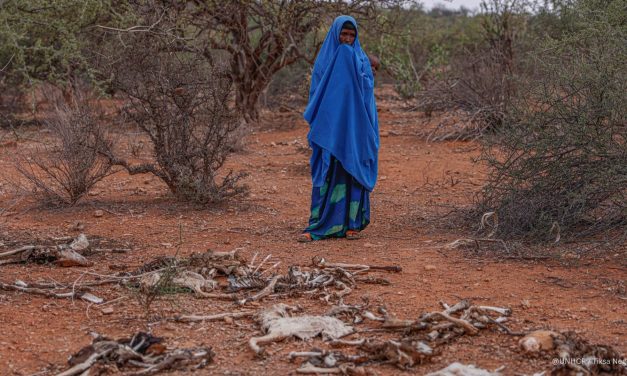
[430,267]
[107,310]
[98,213]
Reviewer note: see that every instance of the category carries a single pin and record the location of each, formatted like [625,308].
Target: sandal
[304,238]
[352,235]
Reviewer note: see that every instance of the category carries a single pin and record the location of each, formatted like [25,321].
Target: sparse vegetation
[181,102]
[63,171]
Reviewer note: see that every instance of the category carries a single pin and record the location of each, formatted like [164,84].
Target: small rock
[228,320]
[98,213]
[107,310]
[430,267]
[525,303]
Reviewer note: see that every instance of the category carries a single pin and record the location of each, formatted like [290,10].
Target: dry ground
[574,290]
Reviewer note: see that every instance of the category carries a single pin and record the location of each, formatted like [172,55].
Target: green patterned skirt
[341,204]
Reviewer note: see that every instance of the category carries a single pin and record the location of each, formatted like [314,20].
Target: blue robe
[343,135]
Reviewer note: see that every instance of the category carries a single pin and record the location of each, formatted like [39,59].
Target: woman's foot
[352,235]
[304,238]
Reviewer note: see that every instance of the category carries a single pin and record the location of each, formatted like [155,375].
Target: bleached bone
[308,368]
[502,311]
[344,342]
[80,243]
[219,316]
[321,262]
[263,293]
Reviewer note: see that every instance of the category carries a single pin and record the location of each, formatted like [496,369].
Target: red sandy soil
[575,289]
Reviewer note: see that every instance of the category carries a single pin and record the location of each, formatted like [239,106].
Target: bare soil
[575,289]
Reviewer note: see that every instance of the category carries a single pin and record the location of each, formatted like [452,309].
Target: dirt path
[417,180]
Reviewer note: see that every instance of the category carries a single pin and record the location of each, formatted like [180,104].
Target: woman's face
[347,36]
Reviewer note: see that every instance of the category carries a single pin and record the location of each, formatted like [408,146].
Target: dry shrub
[559,166]
[181,102]
[65,170]
[478,82]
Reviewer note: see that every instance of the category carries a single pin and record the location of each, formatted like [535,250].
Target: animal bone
[277,325]
[219,316]
[502,311]
[468,327]
[80,243]
[321,262]
[308,368]
[263,293]
[193,281]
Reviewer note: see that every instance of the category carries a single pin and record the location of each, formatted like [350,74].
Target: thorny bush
[63,171]
[559,167]
[181,102]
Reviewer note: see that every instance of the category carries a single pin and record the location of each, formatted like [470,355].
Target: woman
[343,136]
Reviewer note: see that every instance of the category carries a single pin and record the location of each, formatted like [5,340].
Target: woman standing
[343,136]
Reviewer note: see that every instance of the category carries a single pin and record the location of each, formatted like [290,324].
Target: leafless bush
[65,170]
[181,102]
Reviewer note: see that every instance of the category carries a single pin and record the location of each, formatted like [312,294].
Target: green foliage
[420,44]
[43,40]
[560,164]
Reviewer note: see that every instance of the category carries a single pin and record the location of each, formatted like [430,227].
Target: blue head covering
[341,111]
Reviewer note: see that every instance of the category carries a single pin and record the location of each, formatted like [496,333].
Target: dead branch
[19,250]
[23,287]
[87,364]
[468,327]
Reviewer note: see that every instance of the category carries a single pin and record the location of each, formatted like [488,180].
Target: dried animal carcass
[278,325]
[142,353]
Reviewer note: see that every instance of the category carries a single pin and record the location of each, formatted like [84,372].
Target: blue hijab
[341,112]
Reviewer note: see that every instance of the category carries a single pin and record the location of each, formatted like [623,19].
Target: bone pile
[62,253]
[416,342]
[142,353]
[227,275]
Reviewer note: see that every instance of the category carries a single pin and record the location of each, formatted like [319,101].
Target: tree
[262,37]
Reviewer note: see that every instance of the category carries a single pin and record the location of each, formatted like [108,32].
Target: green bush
[559,164]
